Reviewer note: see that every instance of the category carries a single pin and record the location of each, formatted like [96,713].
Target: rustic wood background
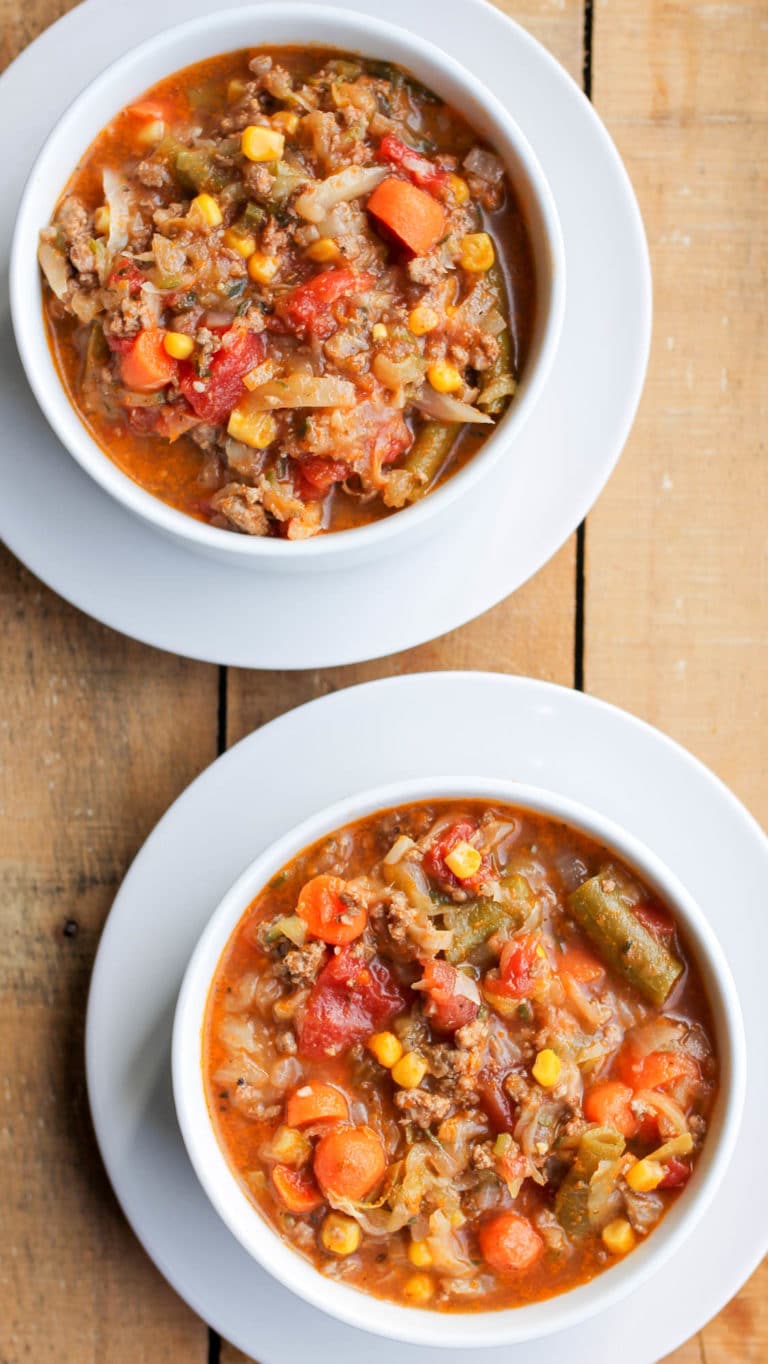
[660,604]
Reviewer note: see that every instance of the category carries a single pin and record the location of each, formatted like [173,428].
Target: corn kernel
[379,331]
[618,1236]
[262,144]
[459,189]
[420,1255]
[443,377]
[179,345]
[257,429]
[244,245]
[285,1008]
[285,122]
[645,1175]
[409,1071]
[476,253]
[422,320]
[340,1235]
[546,1068]
[386,1048]
[418,1288]
[457,1219]
[236,88]
[463,860]
[290,1147]
[204,206]
[101,221]
[451,310]
[151,132]
[324,251]
[262,268]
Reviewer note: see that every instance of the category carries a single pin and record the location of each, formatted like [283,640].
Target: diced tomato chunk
[126,277]
[418,168]
[314,476]
[434,857]
[118,344]
[678,1172]
[222,389]
[350,999]
[656,920]
[496,1102]
[520,967]
[448,1005]
[168,420]
[393,438]
[307,309]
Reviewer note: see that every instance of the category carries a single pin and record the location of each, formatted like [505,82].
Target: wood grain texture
[677,554]
[677,567]
[89,761]
[92,751]
[531,632]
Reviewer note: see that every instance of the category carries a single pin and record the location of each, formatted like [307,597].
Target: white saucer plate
[103,560]
[508,727]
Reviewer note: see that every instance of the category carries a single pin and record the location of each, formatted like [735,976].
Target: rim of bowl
[381,1316]
[66,423]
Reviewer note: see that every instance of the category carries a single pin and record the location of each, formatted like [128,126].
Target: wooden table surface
[660,605]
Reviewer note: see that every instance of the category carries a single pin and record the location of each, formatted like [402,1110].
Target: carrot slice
[580,965]
[147,365]
[608,1104]
[656,1070]
[329,913]
[349,1161]
[410,215]
[510,1243]
[316,1102]
[154,110]
[296,1189]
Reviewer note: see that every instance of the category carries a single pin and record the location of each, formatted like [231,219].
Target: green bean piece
[503,362]
[596,1145]
[428,454]
[474,922]
[253,215]
[501,368]
[473,925]
[605,915]
[517,897]
[196,169]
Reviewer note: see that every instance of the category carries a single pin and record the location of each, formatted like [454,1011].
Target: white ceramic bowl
[225,31]
[386,1318]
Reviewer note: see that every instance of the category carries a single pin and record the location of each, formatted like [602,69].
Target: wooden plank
[677,587]
[531,632]
[88,763]
[677,580]
[89,760]
[21,22]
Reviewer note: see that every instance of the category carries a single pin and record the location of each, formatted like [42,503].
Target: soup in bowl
[467,1051]
[288,290]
